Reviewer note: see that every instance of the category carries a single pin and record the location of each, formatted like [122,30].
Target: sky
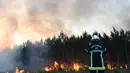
[22,20]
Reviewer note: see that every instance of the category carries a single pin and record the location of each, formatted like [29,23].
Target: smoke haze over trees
[45,18]
[64,49]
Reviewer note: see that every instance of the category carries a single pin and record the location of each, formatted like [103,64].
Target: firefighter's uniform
[97,52]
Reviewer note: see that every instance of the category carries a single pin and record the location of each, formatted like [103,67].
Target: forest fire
[19,71]
[75,66]
[126,66]
[109,66]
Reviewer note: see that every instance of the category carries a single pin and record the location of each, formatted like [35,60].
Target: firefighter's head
[95,39]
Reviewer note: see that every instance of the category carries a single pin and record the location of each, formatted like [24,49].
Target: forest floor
[83,71]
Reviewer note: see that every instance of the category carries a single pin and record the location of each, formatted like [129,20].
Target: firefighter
[96,50]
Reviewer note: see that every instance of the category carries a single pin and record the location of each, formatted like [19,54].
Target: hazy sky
[21,20]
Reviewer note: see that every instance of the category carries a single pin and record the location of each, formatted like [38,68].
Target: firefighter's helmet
[95,37]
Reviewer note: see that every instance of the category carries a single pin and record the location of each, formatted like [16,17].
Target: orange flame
[109,66]
[19,71]
[76,66]
[48,69]
[56,64]
[126,66]
[62,66]
[121,67]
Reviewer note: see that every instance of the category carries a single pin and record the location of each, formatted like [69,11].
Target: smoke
[33,57]
[6,60]
[20,23]
[83,15]
[44,18]
[22,20]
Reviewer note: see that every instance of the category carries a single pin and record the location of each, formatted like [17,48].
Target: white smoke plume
[19,23]
[23,20]
[84,15]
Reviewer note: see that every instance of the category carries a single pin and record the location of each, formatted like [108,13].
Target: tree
[24,56]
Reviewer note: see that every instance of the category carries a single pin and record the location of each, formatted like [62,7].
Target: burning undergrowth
[76,66]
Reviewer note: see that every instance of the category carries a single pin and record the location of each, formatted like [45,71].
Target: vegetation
[81,71]
[64,49]
[69,49]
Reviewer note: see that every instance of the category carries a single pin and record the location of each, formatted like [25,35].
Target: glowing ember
[126,67]
[19,71]
[121,67]
[76,67]
[56,64]
[109,66]
[115,67]
[62,66]
[48,69]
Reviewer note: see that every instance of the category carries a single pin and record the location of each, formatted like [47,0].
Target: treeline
[70,49]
